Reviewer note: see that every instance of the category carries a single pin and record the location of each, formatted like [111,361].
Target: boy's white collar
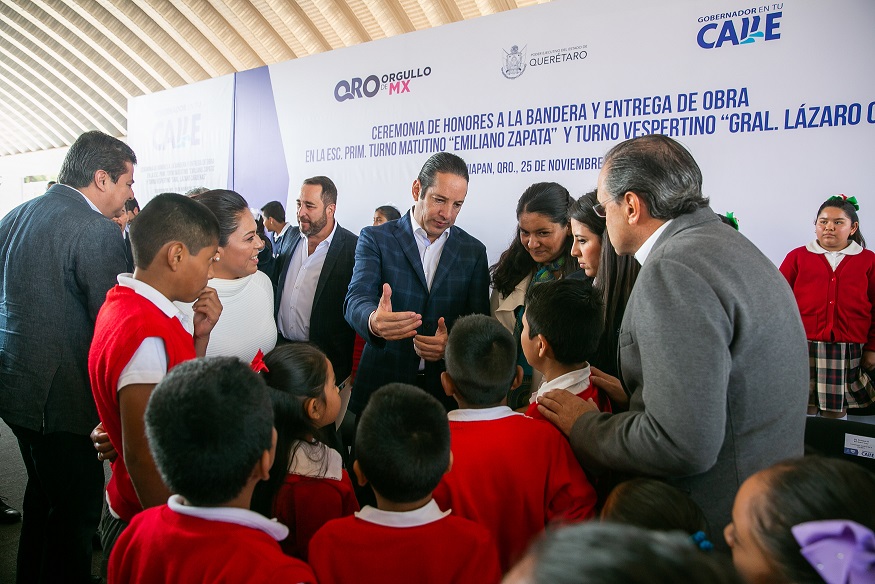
[577,380]
[234,515]
[428,513]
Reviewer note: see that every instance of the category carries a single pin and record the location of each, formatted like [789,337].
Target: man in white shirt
[314,275]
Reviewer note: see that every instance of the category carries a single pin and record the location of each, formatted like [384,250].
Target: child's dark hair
[389,212]
[171,217]
[569,313]
[481,359]
[813,488]
[295,373]
[208,422]
[613,553]
[227,207]
[655,505]
[402,442]
[840,202]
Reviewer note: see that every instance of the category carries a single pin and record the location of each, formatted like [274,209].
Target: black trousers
[62,504]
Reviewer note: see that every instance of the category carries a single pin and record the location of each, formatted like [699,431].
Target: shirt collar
[481,414]
[87,200]
[428,513]
[577,380]
[315,460]
[647,246]
[234,515]
[420,233]
[152,295]
[853,249]
[284,229]
[327,240]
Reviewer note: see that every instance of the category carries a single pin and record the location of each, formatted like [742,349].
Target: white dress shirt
[299,290]
[644,250]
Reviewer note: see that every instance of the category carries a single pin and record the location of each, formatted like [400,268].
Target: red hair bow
[257,364]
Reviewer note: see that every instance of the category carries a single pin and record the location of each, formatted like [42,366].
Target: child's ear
[544,349]
[175,254]
[313,408]
[265,462]
[450,465]
[448,384]
[517,378]
[359,475]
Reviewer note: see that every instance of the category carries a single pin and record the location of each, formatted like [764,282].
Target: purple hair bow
[842,552]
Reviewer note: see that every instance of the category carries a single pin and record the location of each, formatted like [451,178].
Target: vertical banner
[776,102]
[182,137]
[260,172]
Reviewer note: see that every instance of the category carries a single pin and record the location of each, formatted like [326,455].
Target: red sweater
[450,550]
[161,546]
[305,504]
[592,392]
[123,323]
[835,306]
[513,475]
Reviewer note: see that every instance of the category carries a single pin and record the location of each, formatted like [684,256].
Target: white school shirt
[149,362]
[834,257]
[428,513]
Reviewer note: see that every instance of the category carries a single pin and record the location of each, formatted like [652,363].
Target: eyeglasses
[599,210]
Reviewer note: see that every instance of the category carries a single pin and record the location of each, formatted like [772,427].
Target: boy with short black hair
[403,449]
[511,474]
[209,424]
[562,325]
[140,335]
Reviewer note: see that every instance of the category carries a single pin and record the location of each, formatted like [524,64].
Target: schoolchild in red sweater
[140,335]
[562,325]
[833,279]
[308,485]
[210,428]
[402,447]
[511,473]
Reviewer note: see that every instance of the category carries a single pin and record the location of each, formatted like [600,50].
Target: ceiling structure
[69,66]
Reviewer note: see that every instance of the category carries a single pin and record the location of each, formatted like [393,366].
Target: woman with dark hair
[247,324]
[614,277]
[540,252]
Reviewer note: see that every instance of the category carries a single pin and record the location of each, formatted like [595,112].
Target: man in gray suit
[711,346]
[62,255]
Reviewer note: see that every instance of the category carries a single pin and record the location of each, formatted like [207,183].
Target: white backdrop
[464,89]
[182,137]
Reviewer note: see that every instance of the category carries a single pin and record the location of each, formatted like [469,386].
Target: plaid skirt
[837,380]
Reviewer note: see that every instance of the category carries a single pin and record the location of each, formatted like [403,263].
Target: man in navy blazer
[314,276]
[413,278]
[63,255]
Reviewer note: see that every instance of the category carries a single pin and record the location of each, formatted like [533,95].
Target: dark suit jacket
[60,259]
[388,253]
[129,253]
[282,251]
[328,329]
